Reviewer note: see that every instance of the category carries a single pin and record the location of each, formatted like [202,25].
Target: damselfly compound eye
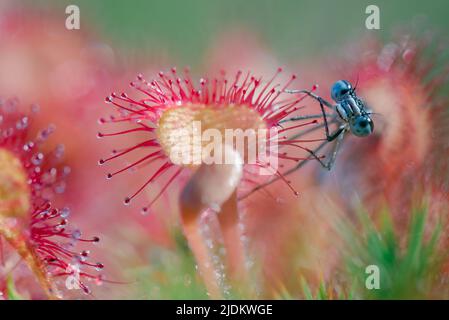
[340,89]
[362,126]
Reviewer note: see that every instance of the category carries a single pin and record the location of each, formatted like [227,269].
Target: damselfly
[349,113]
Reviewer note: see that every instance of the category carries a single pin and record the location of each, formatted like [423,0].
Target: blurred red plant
[37,231]
[403,83]
[404,163]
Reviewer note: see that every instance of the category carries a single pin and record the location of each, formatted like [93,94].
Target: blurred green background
[292,28]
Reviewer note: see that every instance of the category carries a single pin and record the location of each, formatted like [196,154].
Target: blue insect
[351,115]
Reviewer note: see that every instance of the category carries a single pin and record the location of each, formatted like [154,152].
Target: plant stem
[213,187]
[229,220]
[23,248]
[192,230]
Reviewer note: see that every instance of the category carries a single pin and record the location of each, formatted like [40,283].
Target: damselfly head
[340,90]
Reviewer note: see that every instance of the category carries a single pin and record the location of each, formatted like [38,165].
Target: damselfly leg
[322,102]
[314,153]
[336,135]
